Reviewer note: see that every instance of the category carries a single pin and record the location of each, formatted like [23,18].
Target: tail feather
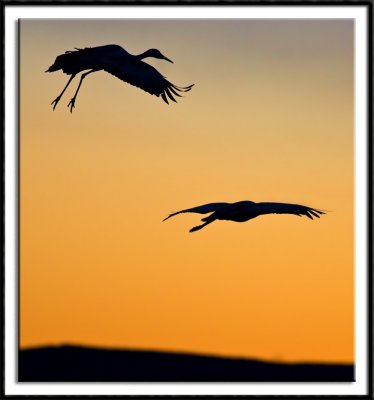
[54,67]
[66,61]
[60,62]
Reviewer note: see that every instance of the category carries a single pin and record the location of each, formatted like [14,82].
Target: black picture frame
[369,256]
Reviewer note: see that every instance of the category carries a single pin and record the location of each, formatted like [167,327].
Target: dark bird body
[242,211]
[118,62]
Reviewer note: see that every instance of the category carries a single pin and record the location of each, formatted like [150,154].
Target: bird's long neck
[147,53]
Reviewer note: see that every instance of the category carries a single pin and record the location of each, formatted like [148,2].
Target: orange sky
[270,119]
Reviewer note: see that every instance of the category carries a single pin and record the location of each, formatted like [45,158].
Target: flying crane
[118,62]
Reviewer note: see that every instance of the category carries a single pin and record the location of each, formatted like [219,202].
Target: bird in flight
[118,62]
[242,211]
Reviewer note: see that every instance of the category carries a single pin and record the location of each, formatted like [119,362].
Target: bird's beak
[168,59]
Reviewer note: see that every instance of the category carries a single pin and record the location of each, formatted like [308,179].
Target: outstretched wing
[285,208]
[204,209]
[145,77]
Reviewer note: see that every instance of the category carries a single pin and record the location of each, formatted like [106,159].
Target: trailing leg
[196,228]
[57,99]
[72,101]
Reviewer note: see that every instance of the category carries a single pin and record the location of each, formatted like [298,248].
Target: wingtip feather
[164,98]
[170,95]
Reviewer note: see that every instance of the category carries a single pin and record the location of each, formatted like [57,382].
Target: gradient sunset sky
[270,118]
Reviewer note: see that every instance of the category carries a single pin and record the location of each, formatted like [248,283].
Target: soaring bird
[118,62]
[242,211]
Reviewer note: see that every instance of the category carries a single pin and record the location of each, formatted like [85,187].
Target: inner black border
[268,3]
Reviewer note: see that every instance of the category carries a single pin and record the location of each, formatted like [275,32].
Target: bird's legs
[72,101]
[196,228]
[57,99]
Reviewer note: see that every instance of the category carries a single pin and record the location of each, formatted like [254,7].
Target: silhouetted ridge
[83,364]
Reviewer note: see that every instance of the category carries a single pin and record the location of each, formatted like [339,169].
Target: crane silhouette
[118,62]
[242,211]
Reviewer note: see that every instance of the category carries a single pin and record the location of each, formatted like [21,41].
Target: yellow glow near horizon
[270,118]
